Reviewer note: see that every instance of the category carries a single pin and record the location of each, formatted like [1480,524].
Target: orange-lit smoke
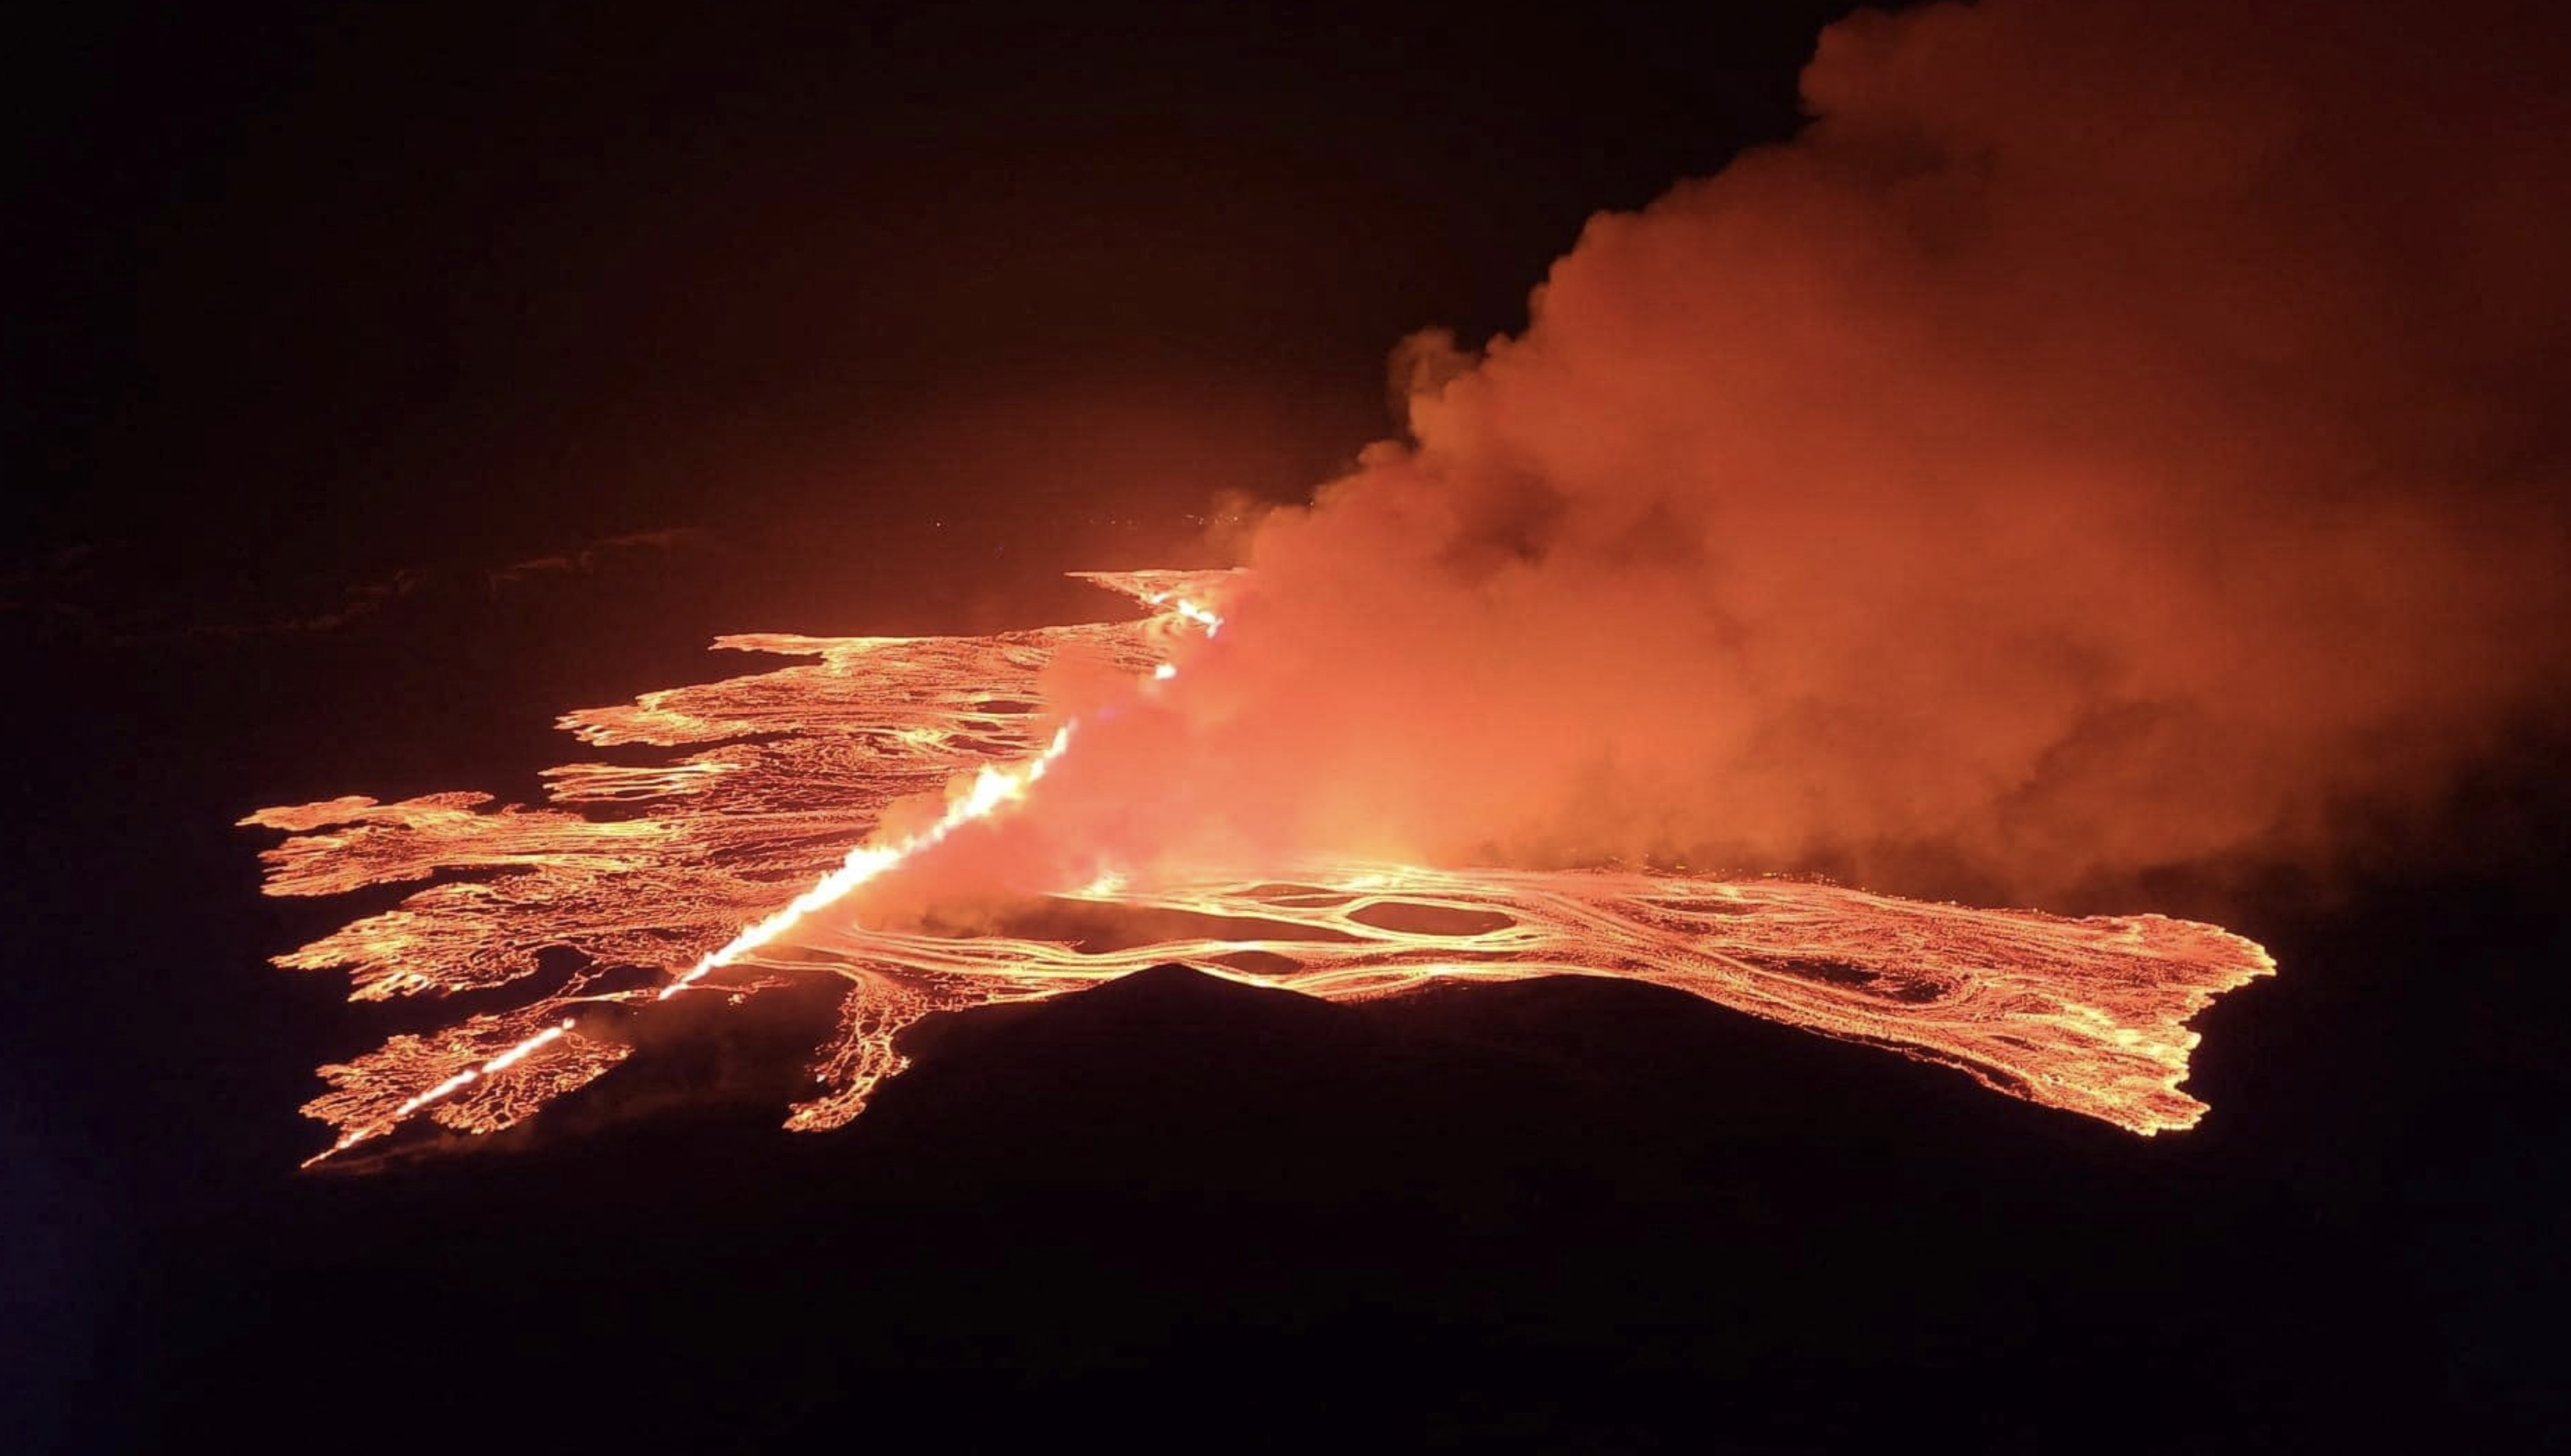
[2112,435]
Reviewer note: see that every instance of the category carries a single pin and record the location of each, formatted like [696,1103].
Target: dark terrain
[1553,1215]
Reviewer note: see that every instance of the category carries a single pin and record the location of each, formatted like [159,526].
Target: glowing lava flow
[583,904]
[992,788]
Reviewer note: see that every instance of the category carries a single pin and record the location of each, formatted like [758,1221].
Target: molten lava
[636,872]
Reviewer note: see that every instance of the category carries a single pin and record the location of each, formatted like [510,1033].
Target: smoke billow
[2110,436]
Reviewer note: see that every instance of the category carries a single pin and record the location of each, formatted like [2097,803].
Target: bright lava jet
[676,879]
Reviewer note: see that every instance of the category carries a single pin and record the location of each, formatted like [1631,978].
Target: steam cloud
[2111,435]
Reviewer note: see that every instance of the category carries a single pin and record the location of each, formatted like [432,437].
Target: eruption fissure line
[992,788]
[457,1083]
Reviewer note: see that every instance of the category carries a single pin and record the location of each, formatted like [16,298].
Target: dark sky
[353,287]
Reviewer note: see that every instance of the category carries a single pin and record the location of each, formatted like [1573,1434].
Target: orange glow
[638,868]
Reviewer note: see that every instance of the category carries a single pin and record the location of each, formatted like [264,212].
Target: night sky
[513,286]
[379,384]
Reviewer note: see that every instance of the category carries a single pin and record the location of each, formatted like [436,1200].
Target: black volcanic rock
[1171,987]
[1602,1209]
[1174,996]
[1259,1092]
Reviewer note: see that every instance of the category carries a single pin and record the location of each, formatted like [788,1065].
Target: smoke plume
[2111,435]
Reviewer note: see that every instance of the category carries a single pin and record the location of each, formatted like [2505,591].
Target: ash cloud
[2110,436]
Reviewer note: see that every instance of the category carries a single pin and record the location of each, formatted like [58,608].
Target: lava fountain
[636,885]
